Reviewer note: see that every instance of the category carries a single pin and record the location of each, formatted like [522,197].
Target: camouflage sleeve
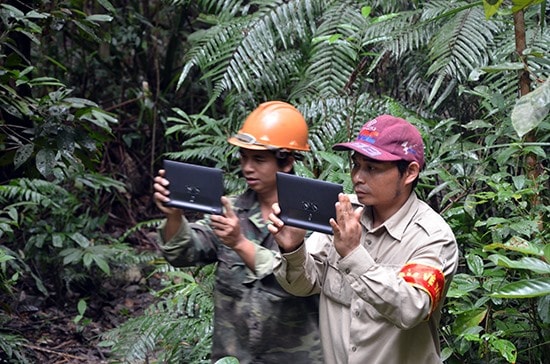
[193,244]
[264,261]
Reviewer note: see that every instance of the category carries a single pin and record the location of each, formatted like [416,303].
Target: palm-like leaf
[334,53]
[255,55]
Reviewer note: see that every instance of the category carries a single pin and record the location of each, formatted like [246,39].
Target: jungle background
[95,94]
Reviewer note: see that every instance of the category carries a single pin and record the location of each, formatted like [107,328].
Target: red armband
[427,278]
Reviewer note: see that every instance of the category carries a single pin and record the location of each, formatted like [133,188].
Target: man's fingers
[229,213]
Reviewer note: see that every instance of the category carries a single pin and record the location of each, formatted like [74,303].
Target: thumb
[228,207]
[358,212]
[276,208]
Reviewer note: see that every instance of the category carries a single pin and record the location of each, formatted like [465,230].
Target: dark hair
[402,166]
[283,158]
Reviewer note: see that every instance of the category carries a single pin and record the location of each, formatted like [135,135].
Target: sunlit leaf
[475,264]
[522,4]
[45,162]
[532,264]
[531,109]
[491,7]
[525,289]
[102,264]
[22,154]
[516,244]
[468,320]
[506,348]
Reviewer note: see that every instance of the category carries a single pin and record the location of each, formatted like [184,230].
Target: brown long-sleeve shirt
[368,312]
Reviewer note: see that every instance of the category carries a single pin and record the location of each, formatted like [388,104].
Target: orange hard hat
[273,125]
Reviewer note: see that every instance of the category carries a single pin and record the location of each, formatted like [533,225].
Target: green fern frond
[256,53]
[176,329]
[396,33]
[13,347]
[334,52]
[35,191]
[337,119]
[462,44]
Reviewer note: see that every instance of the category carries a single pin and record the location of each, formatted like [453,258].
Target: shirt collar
[248,204]
[398,222]
[246,201]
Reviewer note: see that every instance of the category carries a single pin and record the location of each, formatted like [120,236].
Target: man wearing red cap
[384,274]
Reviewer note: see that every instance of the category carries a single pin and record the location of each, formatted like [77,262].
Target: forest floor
[53,337]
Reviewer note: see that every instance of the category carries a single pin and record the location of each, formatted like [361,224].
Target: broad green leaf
[81,306]
[446,353]
[45,81]
[102,264]
[506,348]
[45,162]
[468,320]
[522,4]
[532,264]
[461,285]
[99,17]
[546,250]
[5,258]
[491,7]
[58,239]
[23,154]
[80,240]
[516,244]
[107,5]
[525,289]
[543,309]
[71,256]
[87,259]
[365,11]
[475,264]
[13,11]
[531,109]
[79,102]
[36,15]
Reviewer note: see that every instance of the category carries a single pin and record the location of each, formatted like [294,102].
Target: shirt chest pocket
[335,285]
[230,273]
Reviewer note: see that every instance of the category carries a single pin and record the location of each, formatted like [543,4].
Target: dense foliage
[95,94]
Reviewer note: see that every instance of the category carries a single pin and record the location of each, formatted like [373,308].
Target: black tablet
[307,203]
[194,187]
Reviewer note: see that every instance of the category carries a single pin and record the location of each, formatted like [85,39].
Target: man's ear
[413,170]
[289,165]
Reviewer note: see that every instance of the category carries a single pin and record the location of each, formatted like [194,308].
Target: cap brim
[367,150]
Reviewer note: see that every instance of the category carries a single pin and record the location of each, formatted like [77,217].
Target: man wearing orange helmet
[255,320]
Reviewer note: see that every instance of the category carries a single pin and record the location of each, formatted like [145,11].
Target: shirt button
[357,313]
[369,242]
[354,349]
[347,270]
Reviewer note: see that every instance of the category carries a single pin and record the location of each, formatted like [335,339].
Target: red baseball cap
[388,138]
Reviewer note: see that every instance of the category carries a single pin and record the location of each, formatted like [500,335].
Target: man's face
[259,169]
[378,184]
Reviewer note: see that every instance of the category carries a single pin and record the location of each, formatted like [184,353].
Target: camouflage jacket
[255,320]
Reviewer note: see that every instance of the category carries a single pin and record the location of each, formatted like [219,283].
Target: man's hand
[162,195]
[288,238]
[227,226]
[347,228]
